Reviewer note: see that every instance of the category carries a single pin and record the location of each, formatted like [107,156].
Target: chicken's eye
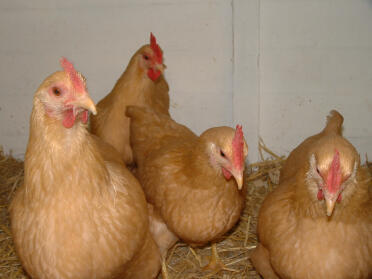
[146,57]
[318,171]
[222,154]
[56,91]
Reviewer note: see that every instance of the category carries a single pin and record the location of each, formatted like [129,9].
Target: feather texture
[297,238]
[80,213]
[180,176]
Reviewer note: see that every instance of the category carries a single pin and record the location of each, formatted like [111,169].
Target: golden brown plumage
[318,222]
[80,213]
[182,174]
[163,237]
[136,86]
[295,158]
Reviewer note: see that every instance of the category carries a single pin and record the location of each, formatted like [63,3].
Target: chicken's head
[151,59]
[65,97]
[332,170]
[227,151]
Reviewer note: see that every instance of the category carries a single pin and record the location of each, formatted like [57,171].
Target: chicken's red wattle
[153,74]
[69,118]
[320,195]
[226,173]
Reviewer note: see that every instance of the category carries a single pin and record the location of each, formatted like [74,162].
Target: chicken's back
[111,125]
[150,131]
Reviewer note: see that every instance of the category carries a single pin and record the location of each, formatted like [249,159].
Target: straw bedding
[11,176]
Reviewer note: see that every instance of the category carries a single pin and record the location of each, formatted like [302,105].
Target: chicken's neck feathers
[54,153]
[201,162]
[133,83]
[50,134]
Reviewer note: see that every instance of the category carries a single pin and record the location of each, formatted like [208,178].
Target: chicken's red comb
[334,174]
[237,146]
[156,49]
[75,77]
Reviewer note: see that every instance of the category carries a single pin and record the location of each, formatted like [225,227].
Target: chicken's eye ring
[222,154]
[56,91]
[146,57]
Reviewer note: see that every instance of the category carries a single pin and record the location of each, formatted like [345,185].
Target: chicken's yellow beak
[85,102]
[330,205]
[239,178]
[160,67]
[330,200]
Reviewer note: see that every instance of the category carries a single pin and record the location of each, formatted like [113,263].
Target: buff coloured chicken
[80,213]
[142,84]
[318,222]
[188,178]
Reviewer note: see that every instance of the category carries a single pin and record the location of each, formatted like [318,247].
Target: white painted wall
[100,37]
[315,55]
[246,72]
[276,66]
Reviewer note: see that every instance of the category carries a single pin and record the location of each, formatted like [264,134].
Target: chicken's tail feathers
[334,123]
